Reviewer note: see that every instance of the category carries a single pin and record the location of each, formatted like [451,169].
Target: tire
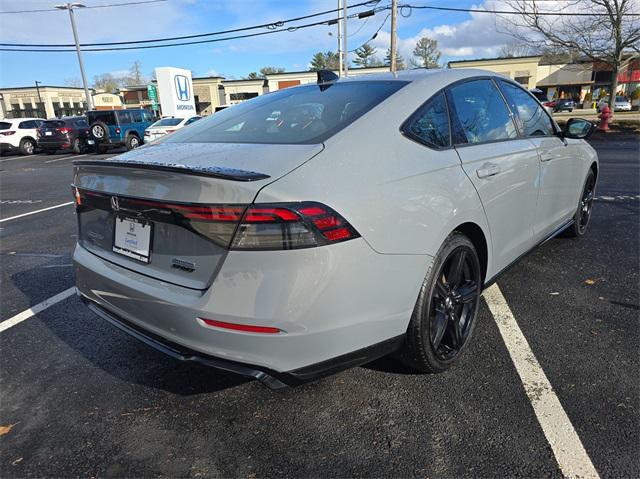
[435,340]
[99,131]
[132,142]
[585,207]
[27,146]
[77,146]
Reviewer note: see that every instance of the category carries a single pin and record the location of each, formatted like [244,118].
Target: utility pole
[71,7]
[394,34]
[339,40]
[345,50]
[40,99]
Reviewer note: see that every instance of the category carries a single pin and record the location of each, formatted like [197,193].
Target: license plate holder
[132,238]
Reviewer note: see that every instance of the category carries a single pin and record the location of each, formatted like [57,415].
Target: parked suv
[19,134]
[564,104]
[63,134]
[109,128]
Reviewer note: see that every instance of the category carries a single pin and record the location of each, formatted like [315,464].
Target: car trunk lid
[169,198]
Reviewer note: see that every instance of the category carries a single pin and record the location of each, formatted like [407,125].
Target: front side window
[532,119]
[137,116]
[304,115]
[431,124]
[480,112]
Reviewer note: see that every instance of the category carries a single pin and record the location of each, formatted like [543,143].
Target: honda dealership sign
[176,92]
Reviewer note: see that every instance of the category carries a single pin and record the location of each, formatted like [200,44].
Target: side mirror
[578,128]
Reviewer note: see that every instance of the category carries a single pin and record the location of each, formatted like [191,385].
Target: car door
[502,166]
[560,162]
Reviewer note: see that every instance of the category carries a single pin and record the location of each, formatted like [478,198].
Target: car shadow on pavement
[112,350]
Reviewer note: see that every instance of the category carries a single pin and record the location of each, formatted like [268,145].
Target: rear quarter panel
[401,196]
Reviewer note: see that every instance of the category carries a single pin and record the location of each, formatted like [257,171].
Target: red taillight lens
[117,131]
[268,226]
[290,226]
[549,103]
[7,133]
[64,131]
[169,131]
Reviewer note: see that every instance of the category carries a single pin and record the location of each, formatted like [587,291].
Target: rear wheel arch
[478,238]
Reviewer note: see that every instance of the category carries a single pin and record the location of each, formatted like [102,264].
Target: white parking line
[65,158]
[18,318]
[34,212]
[562,437]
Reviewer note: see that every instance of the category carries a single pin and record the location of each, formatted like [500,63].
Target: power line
[272,26]
[214,40]
[509,12]
[89,6]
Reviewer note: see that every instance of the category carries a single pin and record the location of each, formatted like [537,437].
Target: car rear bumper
[328,303]
[57,144]
[270,378]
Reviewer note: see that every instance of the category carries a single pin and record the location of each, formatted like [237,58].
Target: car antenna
[326,78]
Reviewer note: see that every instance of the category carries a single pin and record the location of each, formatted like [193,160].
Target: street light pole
[70,7]
[40,98]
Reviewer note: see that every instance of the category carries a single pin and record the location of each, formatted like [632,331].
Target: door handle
[546,158]
[487,170]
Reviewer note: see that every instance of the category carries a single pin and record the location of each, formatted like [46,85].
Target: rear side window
[302,115]
[108,117]
[168,122]
[27,125]
[137,116]
[532,119]
[4,125]
[480,112]
[124,117]
[81,124]
[431,123]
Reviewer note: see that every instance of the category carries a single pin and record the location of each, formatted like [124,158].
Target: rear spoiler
[209,171]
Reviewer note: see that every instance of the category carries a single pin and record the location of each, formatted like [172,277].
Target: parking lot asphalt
[80,398]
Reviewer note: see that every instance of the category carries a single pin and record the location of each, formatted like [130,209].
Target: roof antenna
[326,78]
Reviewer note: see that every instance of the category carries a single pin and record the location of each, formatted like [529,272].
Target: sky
[460,35]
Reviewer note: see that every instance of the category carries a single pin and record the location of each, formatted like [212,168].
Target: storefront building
[45,101]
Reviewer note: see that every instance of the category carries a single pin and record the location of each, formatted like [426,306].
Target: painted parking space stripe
[36,211]
[65,158]
[38,308]
[560,433]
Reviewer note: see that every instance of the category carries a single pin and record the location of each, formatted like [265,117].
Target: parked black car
[69,133]
[564,104]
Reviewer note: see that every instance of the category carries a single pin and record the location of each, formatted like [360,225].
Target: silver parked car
[620,104]
[323,226]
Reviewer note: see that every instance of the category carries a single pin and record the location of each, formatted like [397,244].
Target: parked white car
[19,134]
[167,125]
[326,225]
[621,104]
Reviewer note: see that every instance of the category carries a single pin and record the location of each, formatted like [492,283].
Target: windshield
[301,115]
[4,125]
[621,98]
[168,122]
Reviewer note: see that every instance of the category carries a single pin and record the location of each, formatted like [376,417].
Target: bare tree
[516,49]
[607,35]
[73,81]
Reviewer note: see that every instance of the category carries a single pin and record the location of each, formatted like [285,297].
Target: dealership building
[557,79]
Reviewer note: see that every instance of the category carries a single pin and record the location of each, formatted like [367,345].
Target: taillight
[39,133]
[290,226]
[7,133]
[117,131]
[169,131]
[64,131]
[266,226]
[549,103]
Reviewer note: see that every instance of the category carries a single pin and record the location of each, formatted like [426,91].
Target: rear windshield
[301,115]
[52,124]
[168,122]
[4,125]
[107,117]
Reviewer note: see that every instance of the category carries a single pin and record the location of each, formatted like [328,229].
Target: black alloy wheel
[585,207]
[453,305]
[444,317]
